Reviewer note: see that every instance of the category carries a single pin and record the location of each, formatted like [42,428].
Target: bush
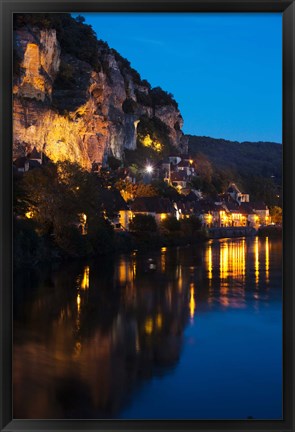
[160,97]
[143,98]
[114,163]
[72,242]
[190,226]
[143,223]
[171,224]
[101,236]
[28,247]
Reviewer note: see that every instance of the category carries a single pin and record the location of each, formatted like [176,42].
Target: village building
[159,208]
[237,215]
[36,156]
[236,194]
[179,180]
[262,211]
[19,164]
[186,167]
[29,162]
[209,213]
[115,209]
[174,159]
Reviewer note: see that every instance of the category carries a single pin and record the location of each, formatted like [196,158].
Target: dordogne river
[181,333]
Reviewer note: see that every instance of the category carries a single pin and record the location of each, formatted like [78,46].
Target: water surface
[199,337]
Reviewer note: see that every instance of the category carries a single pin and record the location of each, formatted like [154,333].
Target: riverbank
[228,232]
[35,250]
[270,231]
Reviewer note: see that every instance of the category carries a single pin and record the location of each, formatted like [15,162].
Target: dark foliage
[143,223]
[114,163]
[171,224]
[143,98]
[160,97]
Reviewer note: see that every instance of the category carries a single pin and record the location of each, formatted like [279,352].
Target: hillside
[246,158]
[255,166]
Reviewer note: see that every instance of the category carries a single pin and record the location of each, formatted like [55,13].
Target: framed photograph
[147,215]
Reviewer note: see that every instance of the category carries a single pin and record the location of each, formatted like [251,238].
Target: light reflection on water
[106,338]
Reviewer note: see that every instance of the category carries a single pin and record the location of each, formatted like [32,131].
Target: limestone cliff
[71,110]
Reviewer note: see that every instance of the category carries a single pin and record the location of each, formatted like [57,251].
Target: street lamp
[149,169]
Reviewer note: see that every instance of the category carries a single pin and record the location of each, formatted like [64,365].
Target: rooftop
[152,205]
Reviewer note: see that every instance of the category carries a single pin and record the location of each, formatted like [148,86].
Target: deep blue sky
[224,70]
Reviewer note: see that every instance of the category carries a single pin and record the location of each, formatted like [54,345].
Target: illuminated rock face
[81,117]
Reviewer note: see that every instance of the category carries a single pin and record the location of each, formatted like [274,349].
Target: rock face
[72,112]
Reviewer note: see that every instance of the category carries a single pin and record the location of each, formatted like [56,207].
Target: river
[198,337]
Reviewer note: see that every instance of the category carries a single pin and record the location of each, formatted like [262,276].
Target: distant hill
[246,158]
[249,163]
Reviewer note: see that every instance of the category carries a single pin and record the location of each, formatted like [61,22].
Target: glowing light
[192,303]
[163,216]
[147,141]
[149,169]
[29,215]
[85,279]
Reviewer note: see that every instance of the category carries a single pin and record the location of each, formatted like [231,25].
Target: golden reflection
[266,260]
[149,326]
[224,300]
[77,349]
[224,260]
[134,269]
[85,279]
[180,280]
[192,303]
[169,296]
[232,260]
[78,302]
[209,261]
[163,259]
[159,320]
[126,274]
[137,343]
[256,249]
[243,258]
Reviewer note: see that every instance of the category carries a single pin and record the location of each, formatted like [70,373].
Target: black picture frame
[287,7]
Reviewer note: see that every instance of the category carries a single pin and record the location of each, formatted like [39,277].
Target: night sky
[224,70]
